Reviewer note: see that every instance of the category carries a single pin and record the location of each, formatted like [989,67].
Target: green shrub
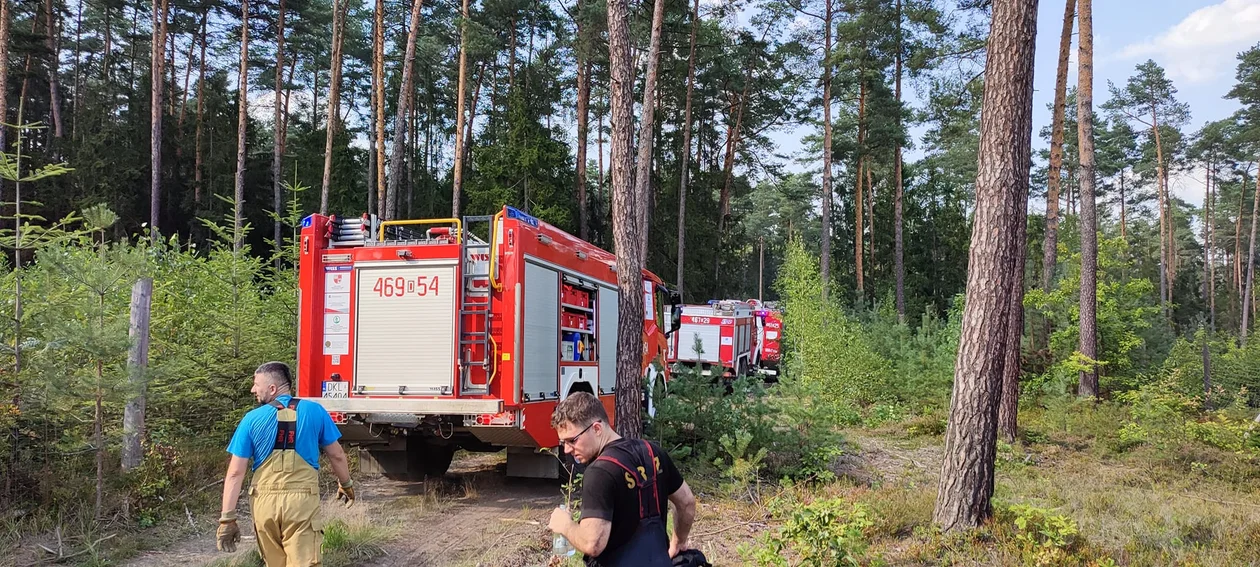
[790,424]
[1045,538]
[824,346]
[823,533]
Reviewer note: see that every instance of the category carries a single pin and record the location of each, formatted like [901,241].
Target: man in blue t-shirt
[283,437]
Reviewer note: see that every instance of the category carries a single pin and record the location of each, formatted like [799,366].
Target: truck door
[405,328]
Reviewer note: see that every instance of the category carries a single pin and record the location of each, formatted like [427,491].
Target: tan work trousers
[285,496]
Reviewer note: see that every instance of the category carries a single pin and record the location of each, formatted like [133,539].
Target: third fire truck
[422,337]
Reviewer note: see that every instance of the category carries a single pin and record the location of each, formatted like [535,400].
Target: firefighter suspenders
[633,482]
[286,425]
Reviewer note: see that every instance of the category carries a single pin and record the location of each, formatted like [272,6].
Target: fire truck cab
[422,338]
[719,338]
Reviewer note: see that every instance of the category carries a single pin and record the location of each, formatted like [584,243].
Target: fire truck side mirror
[676,319]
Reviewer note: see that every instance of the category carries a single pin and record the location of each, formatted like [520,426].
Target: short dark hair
[580,409]
[277,373]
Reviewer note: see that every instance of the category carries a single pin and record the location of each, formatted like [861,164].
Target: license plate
[336,389]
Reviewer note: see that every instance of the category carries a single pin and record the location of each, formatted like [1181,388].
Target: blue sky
[1196,41]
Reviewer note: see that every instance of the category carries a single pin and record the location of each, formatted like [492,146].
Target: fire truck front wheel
[427,458]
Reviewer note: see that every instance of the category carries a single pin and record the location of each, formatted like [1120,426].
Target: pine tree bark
[899,265]
[242,119]
[825,260]
[201,113]
[473,99]
[1012,368]
[684,166]
[1210,206]
[404,108]
[626,237]
[859,245]
[643,166]
[1165,226]
[277,146]
[1242,202]
[728,168]
[137,365]
[334,100]
[1124,223]
[188,66]
[157,62]
[1005,158]
[1050,248]
[378,85]
[1088,385]
[457,176]
[1251,270]
[582,53]
[4,74]
[54,65]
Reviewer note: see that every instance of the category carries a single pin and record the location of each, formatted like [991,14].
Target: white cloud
[1202,47]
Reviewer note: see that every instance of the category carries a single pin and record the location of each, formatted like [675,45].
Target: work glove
[229,533]
[345,493]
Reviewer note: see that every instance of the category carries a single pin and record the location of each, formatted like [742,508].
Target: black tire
[425,458]
[439,460]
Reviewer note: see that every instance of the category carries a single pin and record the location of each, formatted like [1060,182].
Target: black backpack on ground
[691,558]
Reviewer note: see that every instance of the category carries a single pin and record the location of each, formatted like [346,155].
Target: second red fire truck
[422,338]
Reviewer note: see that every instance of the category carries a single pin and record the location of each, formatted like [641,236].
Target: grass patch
[352,544]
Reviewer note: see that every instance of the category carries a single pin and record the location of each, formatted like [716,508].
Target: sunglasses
[573,440]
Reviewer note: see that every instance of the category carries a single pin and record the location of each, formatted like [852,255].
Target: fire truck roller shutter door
[541,364]
[405,329]
[710,340]
[607,307]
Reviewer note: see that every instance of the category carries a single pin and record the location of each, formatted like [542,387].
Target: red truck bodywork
[454,341]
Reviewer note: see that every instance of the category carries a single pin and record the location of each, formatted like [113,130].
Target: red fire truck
[422,338]
[769,334]
[719,338]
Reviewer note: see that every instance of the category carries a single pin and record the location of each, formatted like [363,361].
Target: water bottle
[560,544]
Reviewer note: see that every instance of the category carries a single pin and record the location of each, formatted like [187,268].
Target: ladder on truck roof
[475,313]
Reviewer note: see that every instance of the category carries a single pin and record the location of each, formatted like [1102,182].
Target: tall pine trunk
[858,237]
[277,146]
[54,63]
[1124,234]
[4,75]
[684,166]
[1165,223]
[1247,305]
[404,108]
[825,260]
[899,265]
[457,176]
[242,119]
[643,167]
[378,85]
[334,100]
[201,113]
[1242,202]
[1088,386]
[626,215]
[582,53]
[1210,222]
[157,62]
[964,496]
[1050,248]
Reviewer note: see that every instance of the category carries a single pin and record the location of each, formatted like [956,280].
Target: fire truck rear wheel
[427,458]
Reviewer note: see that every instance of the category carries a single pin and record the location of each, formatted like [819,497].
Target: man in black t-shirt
[625,491]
